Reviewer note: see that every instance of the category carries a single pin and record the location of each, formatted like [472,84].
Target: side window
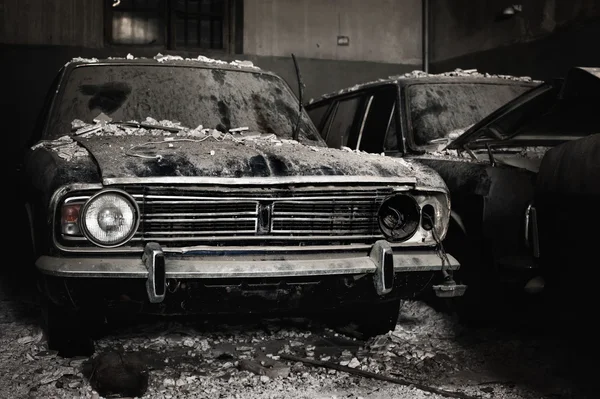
[391,138]
[345,123]
[379,132]
[317,115]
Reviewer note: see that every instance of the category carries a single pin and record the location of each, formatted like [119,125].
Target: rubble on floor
[216,358]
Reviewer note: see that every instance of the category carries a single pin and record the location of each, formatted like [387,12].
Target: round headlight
[399,217]
[110,218]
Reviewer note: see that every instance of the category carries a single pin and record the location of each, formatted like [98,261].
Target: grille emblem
[265,213]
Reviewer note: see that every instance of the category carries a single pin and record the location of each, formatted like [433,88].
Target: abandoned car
[228,201]
[486,136]
[568,180]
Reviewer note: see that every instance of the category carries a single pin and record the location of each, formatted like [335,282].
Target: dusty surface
[130,151]
[216,359]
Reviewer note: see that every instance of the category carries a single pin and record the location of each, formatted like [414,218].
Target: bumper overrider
[156,268]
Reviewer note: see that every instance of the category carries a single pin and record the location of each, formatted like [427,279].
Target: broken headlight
[399,217]
[109,218]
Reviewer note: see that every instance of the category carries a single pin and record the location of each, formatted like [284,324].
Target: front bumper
[156,267]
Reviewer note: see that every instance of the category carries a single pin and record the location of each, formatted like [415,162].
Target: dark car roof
[409,79]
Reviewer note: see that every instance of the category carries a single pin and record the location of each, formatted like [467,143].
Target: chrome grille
[275,216]
[251,216]
[185,217]
[326,217]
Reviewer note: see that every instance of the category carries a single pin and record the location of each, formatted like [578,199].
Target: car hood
[263,159]
[549,114]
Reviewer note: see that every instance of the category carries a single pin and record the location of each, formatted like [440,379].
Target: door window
[379,132]
[345,123]
[317,115]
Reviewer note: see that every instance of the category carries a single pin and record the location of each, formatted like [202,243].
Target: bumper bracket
[156,283]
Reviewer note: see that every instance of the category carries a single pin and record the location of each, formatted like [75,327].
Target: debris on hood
[64,146]
[358,151]
[151,126]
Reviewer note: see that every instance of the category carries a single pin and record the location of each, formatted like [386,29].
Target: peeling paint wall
[461,27]
[378,30]
[64,22]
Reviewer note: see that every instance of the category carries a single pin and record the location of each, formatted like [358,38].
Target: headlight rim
[127,197]
[417,221]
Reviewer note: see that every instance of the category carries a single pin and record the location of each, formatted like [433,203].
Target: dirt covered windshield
[441,110]
[220,99]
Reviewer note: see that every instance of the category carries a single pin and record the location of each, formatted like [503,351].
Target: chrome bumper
[155,267]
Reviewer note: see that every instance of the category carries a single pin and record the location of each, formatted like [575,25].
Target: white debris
[77,124]
[101,118]
[204,345]
[169,382]
[472,73]
[162,58]
[354,363]
[81,59]
[31,338]
[130,56]
[201,58]
[238,129]
[244,63]
[64,146]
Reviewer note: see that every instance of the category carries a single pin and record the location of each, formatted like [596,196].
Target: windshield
[446,110]
[214,98]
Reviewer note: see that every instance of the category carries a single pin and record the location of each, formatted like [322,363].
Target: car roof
[168,60]
[419,77]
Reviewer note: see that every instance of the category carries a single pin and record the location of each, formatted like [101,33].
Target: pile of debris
[461,73]
[166,58]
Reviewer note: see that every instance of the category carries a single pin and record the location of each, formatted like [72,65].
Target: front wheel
[66,331]
[479,304]
[375,318]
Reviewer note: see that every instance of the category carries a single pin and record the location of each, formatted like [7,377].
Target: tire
[377,318]
[476,307]
[66,331]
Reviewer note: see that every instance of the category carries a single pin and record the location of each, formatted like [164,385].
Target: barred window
[177,24]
